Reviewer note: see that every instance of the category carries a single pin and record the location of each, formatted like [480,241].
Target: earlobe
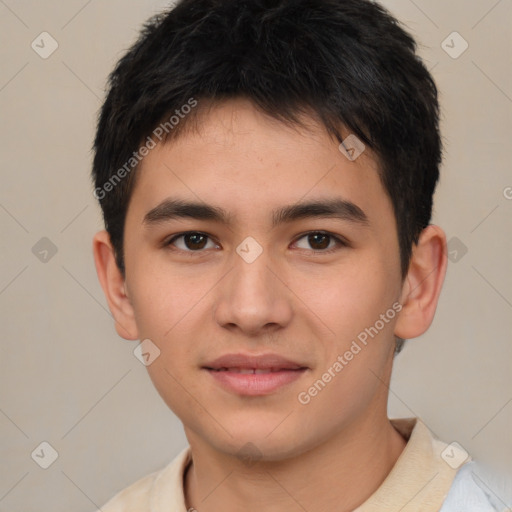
[423,283]
[114,287]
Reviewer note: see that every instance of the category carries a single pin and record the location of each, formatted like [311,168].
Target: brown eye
[195,241]
[190,242]
[321,242]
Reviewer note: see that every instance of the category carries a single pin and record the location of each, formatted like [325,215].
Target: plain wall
[68,379]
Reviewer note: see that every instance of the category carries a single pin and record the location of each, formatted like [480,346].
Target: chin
[256,441]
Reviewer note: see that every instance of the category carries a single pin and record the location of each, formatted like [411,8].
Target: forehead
[248,163]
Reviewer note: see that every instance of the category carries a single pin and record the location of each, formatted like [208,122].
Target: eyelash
[340,242]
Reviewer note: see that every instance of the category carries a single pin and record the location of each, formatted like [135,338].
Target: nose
[254,299]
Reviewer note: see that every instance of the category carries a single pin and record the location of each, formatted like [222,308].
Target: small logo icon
[454,455]
[44,250]
[508,193]
[249,250]
[456,249]
[146,352]
[454,45]
[44,45]
[352,147]
[45,455]
[249,454]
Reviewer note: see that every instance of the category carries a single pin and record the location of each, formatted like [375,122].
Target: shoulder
[134,498]
[470,493]
[159,490]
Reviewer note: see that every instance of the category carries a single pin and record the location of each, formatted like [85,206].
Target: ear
[423,283]
[113,285]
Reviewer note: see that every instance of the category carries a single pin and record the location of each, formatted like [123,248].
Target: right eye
[191,241]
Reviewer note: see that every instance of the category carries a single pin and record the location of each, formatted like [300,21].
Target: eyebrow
[337,208]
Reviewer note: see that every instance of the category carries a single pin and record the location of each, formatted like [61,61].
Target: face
[255,274]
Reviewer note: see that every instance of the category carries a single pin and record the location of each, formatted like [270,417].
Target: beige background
[68,379]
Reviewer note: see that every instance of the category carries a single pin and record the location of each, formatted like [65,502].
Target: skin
[293,300]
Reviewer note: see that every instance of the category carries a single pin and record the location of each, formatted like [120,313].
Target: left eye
[321,242]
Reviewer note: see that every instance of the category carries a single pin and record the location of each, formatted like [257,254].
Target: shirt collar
[418,482]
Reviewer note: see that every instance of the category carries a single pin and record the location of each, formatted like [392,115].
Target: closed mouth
[256,370]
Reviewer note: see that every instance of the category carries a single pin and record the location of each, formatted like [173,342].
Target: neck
[339,474]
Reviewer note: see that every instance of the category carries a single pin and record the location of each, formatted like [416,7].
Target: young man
[266,173]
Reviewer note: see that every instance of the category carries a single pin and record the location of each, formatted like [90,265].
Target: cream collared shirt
[420,481]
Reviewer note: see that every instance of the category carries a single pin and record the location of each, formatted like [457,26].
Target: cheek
[171,309]
[355,358]
[165,300]
[174,385]
[351,297]
[167,312]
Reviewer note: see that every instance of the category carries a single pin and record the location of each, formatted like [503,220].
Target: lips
[262,363]
[254,375]
[250,370]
